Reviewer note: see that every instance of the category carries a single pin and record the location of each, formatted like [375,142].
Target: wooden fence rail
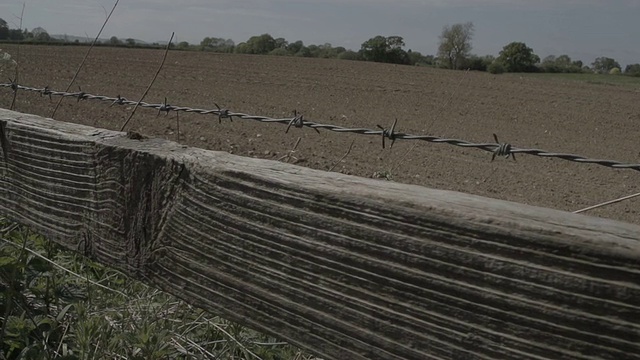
[346,267]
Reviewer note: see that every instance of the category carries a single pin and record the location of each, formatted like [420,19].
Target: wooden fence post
[346,267]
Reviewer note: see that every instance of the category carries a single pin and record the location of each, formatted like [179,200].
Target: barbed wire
[497,149]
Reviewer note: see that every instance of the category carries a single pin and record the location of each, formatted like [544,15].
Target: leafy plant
[518,57]
[495,68]
[57,304]
[383,174]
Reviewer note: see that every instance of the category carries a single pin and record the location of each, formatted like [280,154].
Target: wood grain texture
[346,267]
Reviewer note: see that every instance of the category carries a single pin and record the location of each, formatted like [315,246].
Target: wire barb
[503,149]
[45,91]
[13,85]
[223,114]
[118,101]
[297,121]
[389,133]
[80,94]
[164,107]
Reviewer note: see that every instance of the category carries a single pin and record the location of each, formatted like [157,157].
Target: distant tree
[385,49]
[495,67]
[130,42]
[205,43]
[430,59]
[304,52]
[260,44]
[375,49]
[40,34]
[114,41]
[560,64]
[548,64]
[281,43]
[478,63]
[396,54]
[227,46]
[16,34]
[349,55]
[183,45]
[518,57]
[488,60]
[327,51]
[632,70]
[455,44]
[279,52]
[475,63]
[4,29]
[295,47]
[242,48]
[217,44]
[604,65]
[563,61]
[415,57]
[313,51]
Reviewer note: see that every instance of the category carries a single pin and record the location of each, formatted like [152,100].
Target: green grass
[57,304]
[589,78]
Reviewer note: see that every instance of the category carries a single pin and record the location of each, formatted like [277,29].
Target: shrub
[349,55]
[279,52]
[495,68]
[475,63]
[632,70]
[615,71]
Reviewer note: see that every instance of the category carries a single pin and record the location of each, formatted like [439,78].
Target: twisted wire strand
[498,149]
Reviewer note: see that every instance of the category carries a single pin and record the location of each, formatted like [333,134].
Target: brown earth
[594,120]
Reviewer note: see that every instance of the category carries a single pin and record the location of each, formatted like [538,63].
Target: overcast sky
[583,29]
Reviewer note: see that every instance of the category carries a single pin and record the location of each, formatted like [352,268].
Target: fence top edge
[463,207]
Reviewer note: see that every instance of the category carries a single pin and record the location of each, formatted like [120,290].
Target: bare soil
[595,120]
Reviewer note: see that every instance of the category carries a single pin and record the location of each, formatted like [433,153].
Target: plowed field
[595,120]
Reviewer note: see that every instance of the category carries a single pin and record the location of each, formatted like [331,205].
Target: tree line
[36,34]
[454,51]
[380,49]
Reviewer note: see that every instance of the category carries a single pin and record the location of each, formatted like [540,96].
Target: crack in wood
[4,142]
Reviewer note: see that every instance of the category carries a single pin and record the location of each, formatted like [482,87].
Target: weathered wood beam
[346,267]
